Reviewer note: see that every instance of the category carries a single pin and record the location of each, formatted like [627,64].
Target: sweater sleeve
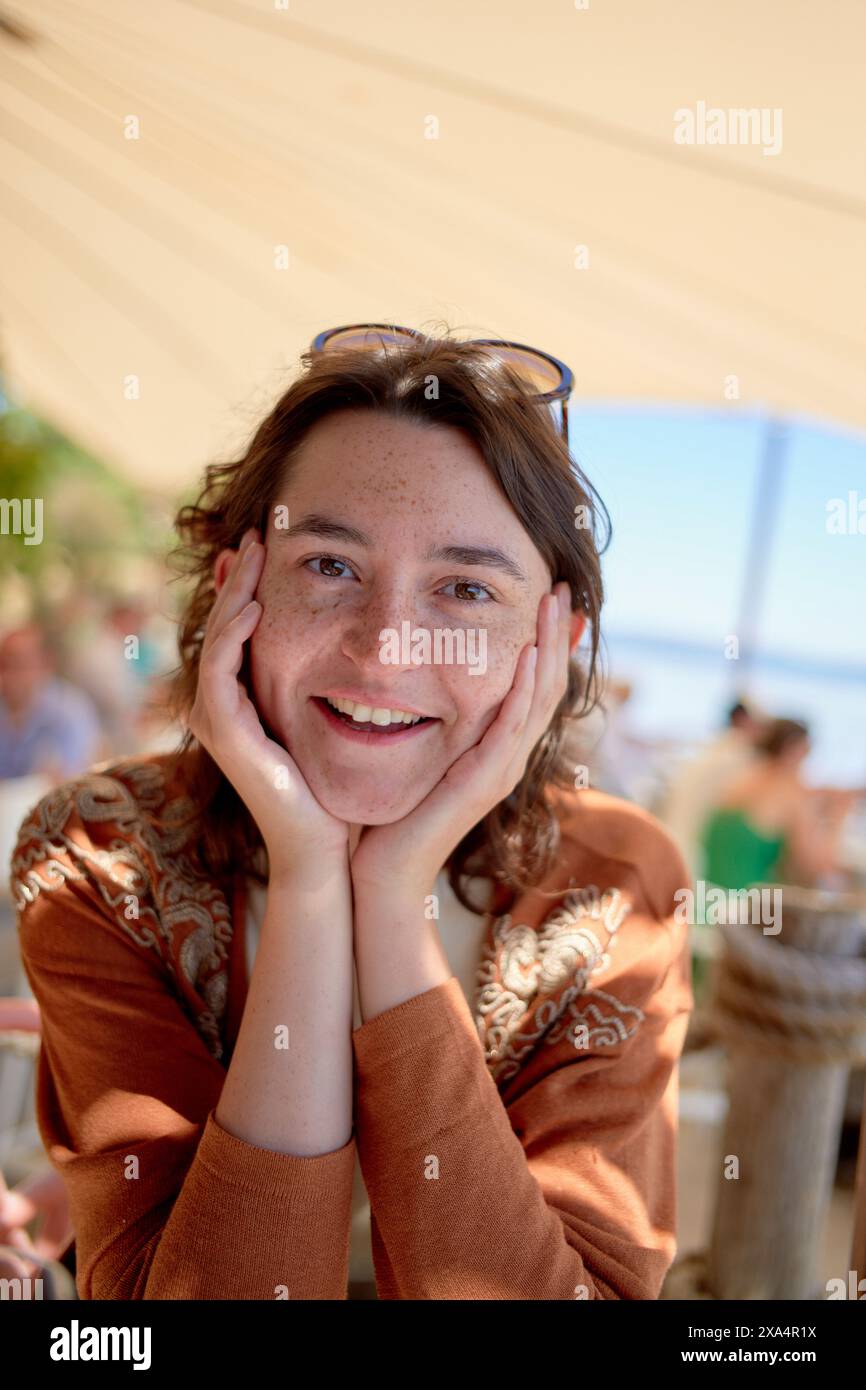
[165,1203]
[562,1185]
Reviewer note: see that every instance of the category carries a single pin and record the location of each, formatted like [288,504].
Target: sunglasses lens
[365,337]
[542,376]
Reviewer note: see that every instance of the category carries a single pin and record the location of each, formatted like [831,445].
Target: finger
[48,1195]
[502,740]
[19,1239]
[552,678]
[239,586]
[16,1209]
[472,784]
[54,1233]
[238,589]
[548,631]
[11,1267]
[246,539]
[220,664]
[540,707]
[220,696]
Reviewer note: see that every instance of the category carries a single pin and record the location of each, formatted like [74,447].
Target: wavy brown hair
[478,393]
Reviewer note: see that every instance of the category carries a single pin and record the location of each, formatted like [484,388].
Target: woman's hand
[296,829]
[401,861]
[41,1195]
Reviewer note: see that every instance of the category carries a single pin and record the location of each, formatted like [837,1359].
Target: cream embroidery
[553,965]
[593,1026]
[149,862]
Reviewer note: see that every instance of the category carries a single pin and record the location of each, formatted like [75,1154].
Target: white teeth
[364,714]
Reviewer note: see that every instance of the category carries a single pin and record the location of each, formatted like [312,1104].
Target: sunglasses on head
[551,379]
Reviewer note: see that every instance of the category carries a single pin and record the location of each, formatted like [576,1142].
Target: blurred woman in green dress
[769,826]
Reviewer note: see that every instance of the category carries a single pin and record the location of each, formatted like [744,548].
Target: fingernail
[564,599]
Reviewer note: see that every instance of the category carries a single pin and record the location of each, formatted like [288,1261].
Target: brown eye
[330,561]
[471,592]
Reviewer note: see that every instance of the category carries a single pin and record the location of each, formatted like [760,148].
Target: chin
[363,805]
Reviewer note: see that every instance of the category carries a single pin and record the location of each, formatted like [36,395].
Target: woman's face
[798,752]
[382,523]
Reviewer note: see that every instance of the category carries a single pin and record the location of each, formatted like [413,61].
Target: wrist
[396,901]
[313,873]
[389,885]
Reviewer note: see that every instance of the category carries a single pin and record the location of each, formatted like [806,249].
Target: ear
[578,624]
[222,566]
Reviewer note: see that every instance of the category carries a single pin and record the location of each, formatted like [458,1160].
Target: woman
[362,925]
[769,826]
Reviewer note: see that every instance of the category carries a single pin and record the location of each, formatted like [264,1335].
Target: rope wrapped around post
[791,1013]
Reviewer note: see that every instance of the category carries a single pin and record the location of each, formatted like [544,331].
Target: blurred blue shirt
[62,725]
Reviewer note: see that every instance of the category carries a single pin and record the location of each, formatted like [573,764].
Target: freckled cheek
[479,697]
[291,631]
[503,648]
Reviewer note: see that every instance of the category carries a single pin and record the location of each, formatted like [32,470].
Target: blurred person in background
[616,760]
[768,826]
[110,655]
[48,727]
[698,786]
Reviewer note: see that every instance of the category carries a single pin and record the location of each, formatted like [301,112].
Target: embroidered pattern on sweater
[532,986]
[603,1021]
[552,966]
[144,876]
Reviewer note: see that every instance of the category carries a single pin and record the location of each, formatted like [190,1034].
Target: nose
[383,611]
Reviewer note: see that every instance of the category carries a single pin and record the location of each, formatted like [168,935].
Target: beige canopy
[669,197]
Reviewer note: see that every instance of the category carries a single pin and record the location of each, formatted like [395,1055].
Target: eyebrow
[486,556]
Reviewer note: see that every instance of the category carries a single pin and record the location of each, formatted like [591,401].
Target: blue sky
[681,488]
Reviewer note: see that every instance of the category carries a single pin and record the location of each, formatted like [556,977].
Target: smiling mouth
[380,724]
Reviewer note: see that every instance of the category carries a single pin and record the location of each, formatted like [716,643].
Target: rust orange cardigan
[550,1103]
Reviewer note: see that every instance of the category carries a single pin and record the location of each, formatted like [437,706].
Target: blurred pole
[765,517]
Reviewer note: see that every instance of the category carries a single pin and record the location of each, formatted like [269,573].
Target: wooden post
[781,1140]
[793,1018]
